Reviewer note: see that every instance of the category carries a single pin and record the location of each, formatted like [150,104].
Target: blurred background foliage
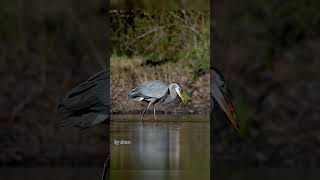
[160,5]
[279,33]
[269,53]
[46,48]
[276,27]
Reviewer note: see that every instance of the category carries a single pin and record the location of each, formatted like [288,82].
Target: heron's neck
[172,92]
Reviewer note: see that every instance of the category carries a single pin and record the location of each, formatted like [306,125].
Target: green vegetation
[186,97]
[161,37]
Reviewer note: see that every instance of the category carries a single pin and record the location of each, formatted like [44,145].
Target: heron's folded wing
[155,89]
[90,92]
[85,120]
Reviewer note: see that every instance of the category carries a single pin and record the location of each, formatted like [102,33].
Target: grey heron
[219,94]
[155,92]
[87,105]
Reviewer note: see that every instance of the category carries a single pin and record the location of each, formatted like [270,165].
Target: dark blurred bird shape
[87,105]
[220,96]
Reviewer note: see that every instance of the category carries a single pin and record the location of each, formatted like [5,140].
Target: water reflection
[172,148]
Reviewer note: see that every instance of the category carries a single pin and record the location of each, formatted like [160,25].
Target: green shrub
[163,37]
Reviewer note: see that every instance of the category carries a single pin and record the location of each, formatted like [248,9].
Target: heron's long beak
[179,94]
[227,106]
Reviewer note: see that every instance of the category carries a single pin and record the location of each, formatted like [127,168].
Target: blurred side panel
[46,49]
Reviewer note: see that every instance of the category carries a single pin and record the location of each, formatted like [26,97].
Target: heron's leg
[105,169]
[154,113]
[141,119]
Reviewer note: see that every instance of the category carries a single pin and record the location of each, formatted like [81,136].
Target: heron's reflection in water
[158,146]
[160,149]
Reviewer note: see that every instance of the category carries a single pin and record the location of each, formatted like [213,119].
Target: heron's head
[178,90]
[220,94]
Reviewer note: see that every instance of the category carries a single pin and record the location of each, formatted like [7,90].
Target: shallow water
[174,147]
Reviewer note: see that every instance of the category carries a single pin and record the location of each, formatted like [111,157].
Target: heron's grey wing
[150,89]
[155,89]
[87,103]
[102,89]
